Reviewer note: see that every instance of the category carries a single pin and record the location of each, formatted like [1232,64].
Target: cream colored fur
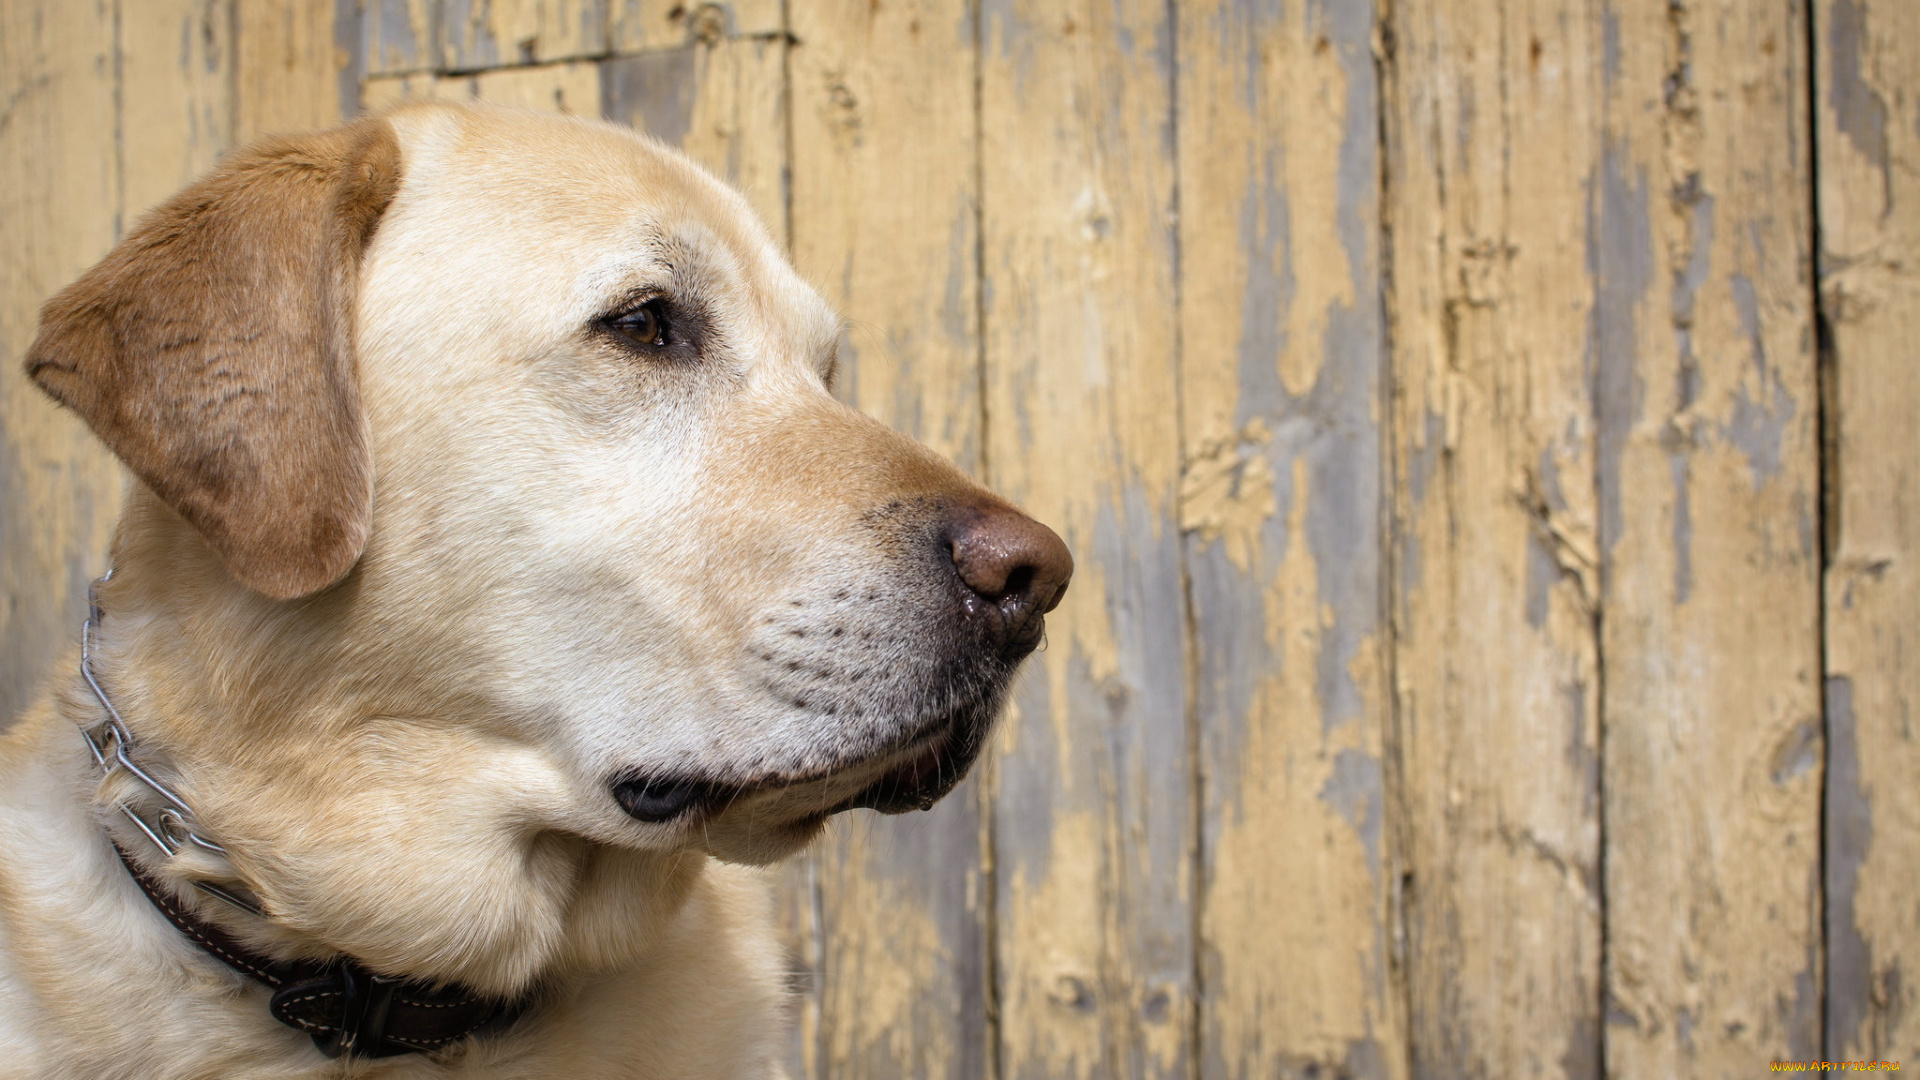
[578,563]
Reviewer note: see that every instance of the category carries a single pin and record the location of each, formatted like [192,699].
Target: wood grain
[1282,348]
[1093,816]
[1494,136]
[884,222]
[176,95]
[569,88]
[641,25]
[1868,116]
[723,101]
[295,65]
[1709,538]
[60,184]
[475,35]
[1432,395]
[397,37]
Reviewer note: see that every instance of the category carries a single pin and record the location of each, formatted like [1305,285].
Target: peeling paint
[1798,752]
[1677,468]
[1355,791]
[1421,466]
[1282,499]
[1052,1000]
[1350,26]
[467,40]
[1620,253]
[1858,109]
[1426,462]
[1365,1060]
[1758,426]
[349,32]
[1093,804]
[1228,493]
[481,34]
[62,199]
[1542,571]
[398,32]
[1800,1015]
[655,92]
[1582,755]
[903,943]
[1687,283]
[1849,838]
[1267,297]
[1005,32]
[1344,518]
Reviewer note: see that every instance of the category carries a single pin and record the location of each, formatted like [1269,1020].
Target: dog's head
[495,502]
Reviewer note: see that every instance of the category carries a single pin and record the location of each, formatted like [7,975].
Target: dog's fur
[419,555]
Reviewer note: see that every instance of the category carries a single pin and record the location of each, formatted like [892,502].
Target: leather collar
[348,1010]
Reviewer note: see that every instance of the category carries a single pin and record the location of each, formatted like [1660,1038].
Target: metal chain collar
[110,743]
[348,1010]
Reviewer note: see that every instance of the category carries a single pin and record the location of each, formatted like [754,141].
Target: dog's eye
[645,325]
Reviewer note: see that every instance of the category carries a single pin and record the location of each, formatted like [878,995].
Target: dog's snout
[1010,560]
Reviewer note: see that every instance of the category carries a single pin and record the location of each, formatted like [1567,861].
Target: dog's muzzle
[1002,573]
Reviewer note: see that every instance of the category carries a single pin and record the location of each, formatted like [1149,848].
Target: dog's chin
[919,777]
[760,824]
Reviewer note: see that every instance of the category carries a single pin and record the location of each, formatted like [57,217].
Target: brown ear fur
[212,350]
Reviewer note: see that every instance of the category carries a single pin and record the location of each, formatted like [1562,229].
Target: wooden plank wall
[1485,429]
[1866,101]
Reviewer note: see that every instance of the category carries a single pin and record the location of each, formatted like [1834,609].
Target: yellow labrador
[499,576]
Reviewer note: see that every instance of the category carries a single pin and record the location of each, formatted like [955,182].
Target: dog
[499,584]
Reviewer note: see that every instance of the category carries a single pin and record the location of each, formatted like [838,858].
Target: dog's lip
[913,782]
[656,800]
[895,775]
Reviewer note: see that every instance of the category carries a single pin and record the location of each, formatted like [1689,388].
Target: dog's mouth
[918,778]
[660,799]
[913,777]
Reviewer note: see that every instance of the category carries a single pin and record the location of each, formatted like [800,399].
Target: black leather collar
[348,1010]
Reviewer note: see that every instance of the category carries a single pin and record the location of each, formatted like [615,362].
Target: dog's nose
[1019,566]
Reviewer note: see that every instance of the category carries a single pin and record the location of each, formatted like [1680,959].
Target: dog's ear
[212,350]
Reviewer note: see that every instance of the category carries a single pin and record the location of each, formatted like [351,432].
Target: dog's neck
[273,774]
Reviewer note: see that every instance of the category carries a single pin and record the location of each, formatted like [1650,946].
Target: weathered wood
[1494,135]
[723,101]
[295,65]
[59,211]
[1867,107]
[1093,823]
[797,900]
[570,88]
[475,35]
[1283,394]
[636,25]
[884,221]
[388,90]
[1708,479]
[398,36]
[1597,430]
[176,95]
